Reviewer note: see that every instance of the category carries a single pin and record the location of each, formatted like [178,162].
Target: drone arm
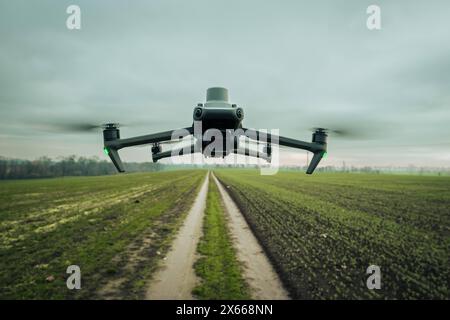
[147,139]
[294,143]
[319,149]
[283,141]
[251,153]
[113,144]
[175,152]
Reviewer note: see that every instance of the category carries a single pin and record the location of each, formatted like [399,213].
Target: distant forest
[80,166]
[68,166]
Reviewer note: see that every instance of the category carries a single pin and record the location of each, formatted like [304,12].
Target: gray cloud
[291,65]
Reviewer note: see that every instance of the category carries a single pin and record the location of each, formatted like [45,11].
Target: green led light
[106,151]
[324,154]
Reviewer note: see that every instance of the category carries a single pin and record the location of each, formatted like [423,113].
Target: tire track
[259,273]
[176,278]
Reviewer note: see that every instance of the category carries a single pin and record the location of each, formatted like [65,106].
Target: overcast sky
[291,65]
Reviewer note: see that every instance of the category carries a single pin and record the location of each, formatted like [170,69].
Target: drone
[217,113]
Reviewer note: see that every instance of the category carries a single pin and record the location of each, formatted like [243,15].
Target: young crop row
[323,235]
[385,196]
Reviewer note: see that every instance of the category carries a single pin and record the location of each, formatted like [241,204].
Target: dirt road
[258,271]
[176,278]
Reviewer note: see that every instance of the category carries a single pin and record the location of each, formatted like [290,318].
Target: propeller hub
[111,131]
[320,136]
[108,126]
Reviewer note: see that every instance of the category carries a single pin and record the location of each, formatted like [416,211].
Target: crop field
[321,232]
[115,228]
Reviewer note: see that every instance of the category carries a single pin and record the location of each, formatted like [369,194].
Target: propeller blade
[341,132]
[355,126]
[83,126]
[67,127]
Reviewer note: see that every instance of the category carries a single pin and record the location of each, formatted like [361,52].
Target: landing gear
[268,150]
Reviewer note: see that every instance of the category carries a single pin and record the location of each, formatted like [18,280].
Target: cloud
[291,65]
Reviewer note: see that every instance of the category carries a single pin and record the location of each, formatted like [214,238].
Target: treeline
[437,171]
[80,166]
[68,166]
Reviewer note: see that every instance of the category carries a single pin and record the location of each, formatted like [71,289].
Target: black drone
[218,114]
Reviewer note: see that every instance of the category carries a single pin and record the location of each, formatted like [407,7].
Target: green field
[323,231]
[115,228]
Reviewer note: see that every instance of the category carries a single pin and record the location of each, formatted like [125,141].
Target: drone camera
[198,112]
[240,113]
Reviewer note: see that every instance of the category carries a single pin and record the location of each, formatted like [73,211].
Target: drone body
[217,112]
[218,115]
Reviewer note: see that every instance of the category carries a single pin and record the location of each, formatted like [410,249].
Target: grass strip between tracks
[218,267]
